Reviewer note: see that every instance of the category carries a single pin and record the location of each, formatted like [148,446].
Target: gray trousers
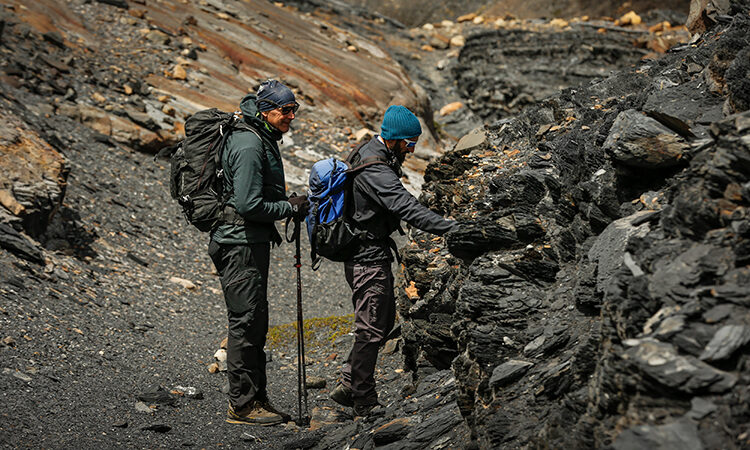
[243,270]
[374,316]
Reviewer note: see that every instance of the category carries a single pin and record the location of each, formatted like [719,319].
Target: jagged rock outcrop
[33,176]
[598,295]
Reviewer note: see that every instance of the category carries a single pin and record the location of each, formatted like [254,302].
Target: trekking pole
[301,374]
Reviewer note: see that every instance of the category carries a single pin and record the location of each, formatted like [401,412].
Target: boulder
[637,140]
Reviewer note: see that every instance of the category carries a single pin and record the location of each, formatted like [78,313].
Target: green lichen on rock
[317,331]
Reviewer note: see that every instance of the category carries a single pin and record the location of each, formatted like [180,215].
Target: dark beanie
[272,94]
[399,123]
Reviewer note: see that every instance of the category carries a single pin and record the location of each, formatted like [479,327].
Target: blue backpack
[329,227]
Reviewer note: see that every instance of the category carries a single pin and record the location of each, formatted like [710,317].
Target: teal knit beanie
[399,123]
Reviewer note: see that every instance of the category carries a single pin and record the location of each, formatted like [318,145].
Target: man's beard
[400,157]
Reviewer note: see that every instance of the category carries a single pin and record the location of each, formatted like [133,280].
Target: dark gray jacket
[381,201]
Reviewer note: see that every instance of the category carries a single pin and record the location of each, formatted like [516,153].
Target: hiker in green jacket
[240,249]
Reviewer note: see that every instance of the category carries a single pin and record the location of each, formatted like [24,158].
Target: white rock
[187,284]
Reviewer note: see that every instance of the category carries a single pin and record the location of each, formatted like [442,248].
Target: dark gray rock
[157,427]
[661,363]
[13,241]
[608,250]
[508,372]
[727,340]
[393,431]
[640,141]
[682,435]
[157,395]
[700,408]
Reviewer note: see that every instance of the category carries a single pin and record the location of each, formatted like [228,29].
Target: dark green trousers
[243,270]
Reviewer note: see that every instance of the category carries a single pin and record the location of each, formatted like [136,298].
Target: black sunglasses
[284,109]
[287,109]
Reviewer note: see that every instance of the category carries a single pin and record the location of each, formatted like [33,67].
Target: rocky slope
[601,295]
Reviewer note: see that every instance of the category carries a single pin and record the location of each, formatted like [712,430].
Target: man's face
[281,118]
[404,147]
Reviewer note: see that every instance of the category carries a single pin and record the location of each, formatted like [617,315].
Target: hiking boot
[266,404]
[342,395]
[368,409]
[253,414]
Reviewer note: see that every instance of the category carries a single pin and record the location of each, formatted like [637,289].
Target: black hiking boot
[342,395]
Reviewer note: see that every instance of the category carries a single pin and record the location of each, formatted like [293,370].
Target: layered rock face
[501,71]
[600,293]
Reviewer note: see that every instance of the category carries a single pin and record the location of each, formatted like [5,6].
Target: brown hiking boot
[266,404]
[253,414]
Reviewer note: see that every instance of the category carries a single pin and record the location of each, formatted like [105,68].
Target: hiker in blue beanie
[380,203]
[240,249]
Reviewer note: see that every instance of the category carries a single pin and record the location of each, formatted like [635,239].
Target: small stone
[188,392]
[157,427]
[313,382]
[220,355]
[332,357]
[247,437]
[127,89]
[120,424]
[187,284]
[213,368]
[466,17]
[22,376]
[363,133]
[157,395]
[143,408]
[351,48]
[560,23]
[458,41]
[163,98]
[179,72]
[450,108]
[631,18]
[97,97]
[9,341]
[168,110]
[391,346]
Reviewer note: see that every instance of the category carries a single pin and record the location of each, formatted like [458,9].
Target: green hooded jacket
[254,174]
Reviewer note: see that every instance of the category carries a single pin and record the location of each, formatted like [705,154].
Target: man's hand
[300,206]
